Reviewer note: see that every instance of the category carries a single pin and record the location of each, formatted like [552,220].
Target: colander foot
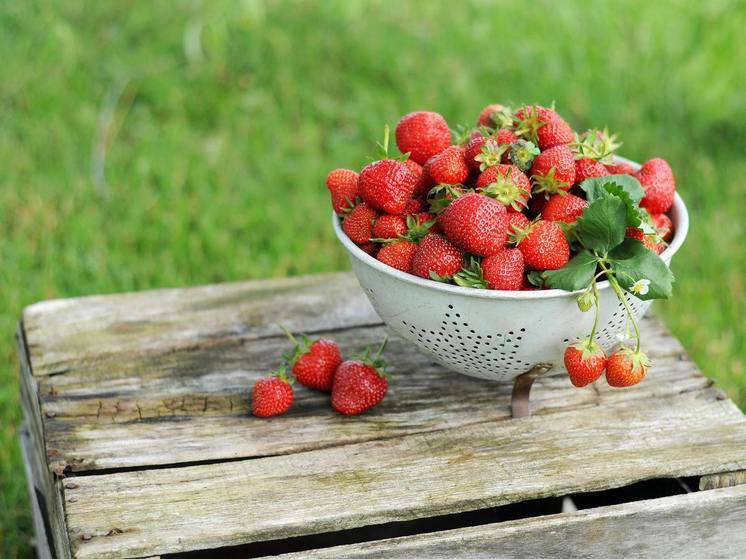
[519,399]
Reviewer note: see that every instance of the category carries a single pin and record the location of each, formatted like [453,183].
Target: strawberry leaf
[640,271]
[599,187]
[576,274]
[603,224]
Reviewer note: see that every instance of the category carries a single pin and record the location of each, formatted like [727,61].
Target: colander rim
[681,223]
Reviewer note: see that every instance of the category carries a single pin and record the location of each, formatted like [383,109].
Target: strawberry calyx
[375,361]
[528,126]
[636,356]
[383,148]
[502,118]
[471,275]
[299,348]
[523,153]
[549,183]
[416,231]
[491,154]
[461,134]
[506,191]
[519,234]
[595,144]
[588,348]
[282,374]
[441,195]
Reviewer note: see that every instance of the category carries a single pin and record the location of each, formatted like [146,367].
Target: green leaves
[603,224]
[576,274]
[641,271]
[624,187]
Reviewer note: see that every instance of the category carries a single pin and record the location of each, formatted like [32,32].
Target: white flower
[641,287]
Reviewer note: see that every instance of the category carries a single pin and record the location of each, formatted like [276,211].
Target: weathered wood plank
[727,479]
[705,525]
[63,334]
[466,468]
[38,510]
[196,403]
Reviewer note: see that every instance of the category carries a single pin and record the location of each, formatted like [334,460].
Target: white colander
[490,334]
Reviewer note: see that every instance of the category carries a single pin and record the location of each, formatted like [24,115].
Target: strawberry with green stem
[272,395]
[313,362]
[360,384]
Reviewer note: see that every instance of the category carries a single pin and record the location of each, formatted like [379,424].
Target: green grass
[217,122]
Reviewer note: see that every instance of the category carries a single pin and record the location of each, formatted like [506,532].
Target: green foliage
[147,144]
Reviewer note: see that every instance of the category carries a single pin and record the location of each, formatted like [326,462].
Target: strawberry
[543,126]
[522,154]
[369,248]
[436,258]
[494,116]
[421,188]
[389,226]
[505,136]
[359,223]
[414,206]
[544,246]
[398,254]
[442,195]
[504,270]
[564,207]
[651,242]
[554,170]
[449,166]
[626,367]
[656,177]
[506,184]
[621,169]
[589,168]
[342,185]
[387,185]
[272,395]
[422,134]
[360,384]
[664,225]
[598,145]
[516,220]
[473,148]
[585,362]
[475,223]
[313,363]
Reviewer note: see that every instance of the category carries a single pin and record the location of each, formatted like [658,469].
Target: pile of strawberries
[355,385]
[486,207]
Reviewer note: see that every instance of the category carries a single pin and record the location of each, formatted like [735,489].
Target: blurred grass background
[149,144]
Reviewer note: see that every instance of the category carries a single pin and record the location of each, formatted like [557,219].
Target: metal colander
[491,334]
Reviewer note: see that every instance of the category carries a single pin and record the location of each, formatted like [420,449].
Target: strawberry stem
[620,295]
[597,304]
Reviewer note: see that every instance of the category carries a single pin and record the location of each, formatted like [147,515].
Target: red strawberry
[475,223]
[621,169]
[516,220]
[313,363]
[490,116]
[442,195]
[664,225]
[656,177]
[271,395]
[449,166]
[544,246]
[651,242]
[473,148]
[589,168]
[387,185]
[422,134]
[625,367]
[554,170]
[369,248]
[398,254]
[504,270]
[564,207]
[359,224]
[359,385]
[543,126]
[505,136]
[389,226]
[506,184]
[414,206]
[585,362]
[342,185]
[421,188]
[436,258]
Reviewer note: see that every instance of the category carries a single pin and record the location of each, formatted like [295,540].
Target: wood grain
[705,525]
[466,468]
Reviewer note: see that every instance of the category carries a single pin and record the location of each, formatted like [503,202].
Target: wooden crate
[140,443]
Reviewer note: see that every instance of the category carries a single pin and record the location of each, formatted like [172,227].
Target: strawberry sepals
[528,126]
[471,275]
[586,300]
[589,348]
[637,357]
[383,147]
[598,145]
[440,196]
[461,134]
[282,374]
[491,155]
[376,361]
[299,348]
[549,183]
[502,118]
[506,191]
[523,153]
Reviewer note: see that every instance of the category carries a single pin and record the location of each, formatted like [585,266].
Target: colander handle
[519,399]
